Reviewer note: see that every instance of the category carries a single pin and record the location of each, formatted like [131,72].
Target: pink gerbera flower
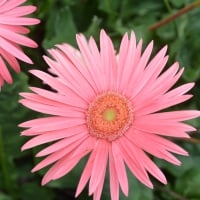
[12,36]
[107,106]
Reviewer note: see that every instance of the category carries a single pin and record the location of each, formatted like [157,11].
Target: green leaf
[4,196]
[189,183]
[60,28]
[32,191]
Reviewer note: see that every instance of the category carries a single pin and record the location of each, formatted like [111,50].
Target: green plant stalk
[4,167]
[175,15]
[168,5]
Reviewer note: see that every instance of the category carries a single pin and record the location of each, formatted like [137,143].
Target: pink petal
[123,51]
[17,38]
[18,20]
[47,106]
[63,166]
[93,67]
[21,11]
[127,63]
[114,183]
[16,29]
[9,5]
[69,73]
[56,84]
[77,62]
[156,146]
[99,165]
[160,104]
[61,144]
[118,162]
[86,173]
[12,61]
[4,72]
[98,191]
[134,77]
[181,115]
[151,167]
[2,2]
[57,155]
[134,163]
[108,60]
[50,136]
[157,88]
[150,73]
[98,66]
[64,99]
[162,127]
[7,46]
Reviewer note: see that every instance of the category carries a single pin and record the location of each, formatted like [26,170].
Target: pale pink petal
[178,116]
[10,4]
[108,60]
[56,84]
[18,20]
[7,46]
[49,137]
[133,162]
[139,67]
[68,73]
[12,33]
[98,191]
[58,155]
[16,29]
[150,73]
[93,68]
[146,162]
[77,62]
[21,11]
[86,173]
[123,51]
[11,60]
[83,149]
[98,66]
[49,106]
[77,80]
[4,73]
[68,162]
[17,38]
[99,165]
[118,162]
[61,144]
[162,127]
[47,123]
[160,104]
[114,183]
[64,99]
[156,146]
[2,2]
[157,88]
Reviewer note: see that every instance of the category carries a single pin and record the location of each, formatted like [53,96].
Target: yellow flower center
[109,116]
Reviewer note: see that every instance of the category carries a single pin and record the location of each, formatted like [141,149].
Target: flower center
[109,116]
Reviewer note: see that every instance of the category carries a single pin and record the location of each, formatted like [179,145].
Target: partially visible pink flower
[109,107]
[12,36]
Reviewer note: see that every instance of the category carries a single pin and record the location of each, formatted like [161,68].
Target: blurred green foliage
[60,21]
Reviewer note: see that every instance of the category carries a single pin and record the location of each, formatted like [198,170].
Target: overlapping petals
[13,36]
[78,77]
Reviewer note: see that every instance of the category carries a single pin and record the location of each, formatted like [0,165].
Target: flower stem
[175,15]
[168,5]
[4,167]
